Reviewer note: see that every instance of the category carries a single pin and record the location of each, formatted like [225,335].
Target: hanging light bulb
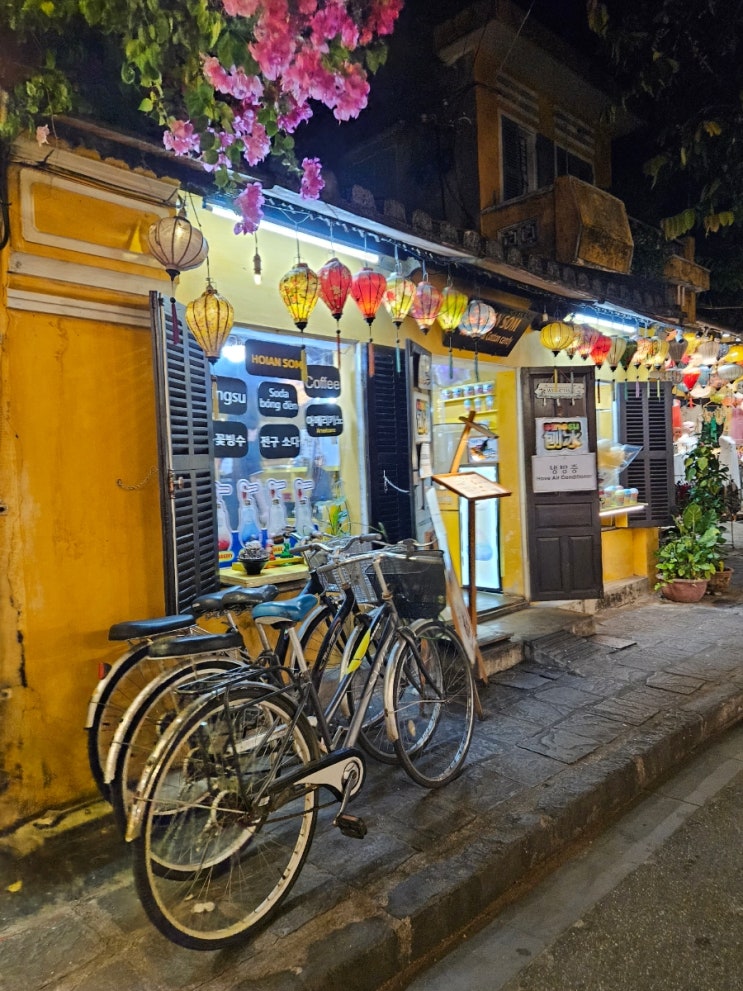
[426,304]
[257,263]
[179,247]
[478,320]
[335,285]
[367,290]
[398,299]
[300,289]
[453,305]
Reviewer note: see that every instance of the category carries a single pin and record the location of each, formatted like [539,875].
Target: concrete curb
[363,947]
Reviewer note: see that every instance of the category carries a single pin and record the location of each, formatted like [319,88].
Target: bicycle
[226,808]
[192,656]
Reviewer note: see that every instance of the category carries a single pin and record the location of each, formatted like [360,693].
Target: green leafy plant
[691,549]
[707,479]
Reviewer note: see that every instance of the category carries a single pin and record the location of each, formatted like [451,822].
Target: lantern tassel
[303,362]
[174,318]
[451,361]
[370,357]
[398,368]
[554,375]
[338,345]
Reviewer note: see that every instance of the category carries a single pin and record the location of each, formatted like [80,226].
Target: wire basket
[417,583]
[351,573]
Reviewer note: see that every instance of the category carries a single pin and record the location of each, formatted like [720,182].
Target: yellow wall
[78,550]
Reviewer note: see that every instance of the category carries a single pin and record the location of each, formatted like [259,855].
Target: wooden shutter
[545,162]
[515,158]
[187,492]
[645,421]
[390,503]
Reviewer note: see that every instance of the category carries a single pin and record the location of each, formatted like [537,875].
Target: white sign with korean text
[563,472]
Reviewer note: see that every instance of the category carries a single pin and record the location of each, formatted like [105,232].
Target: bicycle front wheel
[221,842]
[430,698]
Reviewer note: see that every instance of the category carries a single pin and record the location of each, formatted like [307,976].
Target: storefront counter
[291,577]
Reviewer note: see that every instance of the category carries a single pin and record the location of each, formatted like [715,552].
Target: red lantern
[367,289]
[335,284]
[600,350]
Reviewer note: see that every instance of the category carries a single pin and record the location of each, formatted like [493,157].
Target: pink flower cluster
[298,51]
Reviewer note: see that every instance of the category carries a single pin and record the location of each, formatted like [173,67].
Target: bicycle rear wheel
[430,695]
[110,701]
[146,721]
[221,844]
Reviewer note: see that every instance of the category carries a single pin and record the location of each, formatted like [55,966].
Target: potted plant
[253,557]
[689,555]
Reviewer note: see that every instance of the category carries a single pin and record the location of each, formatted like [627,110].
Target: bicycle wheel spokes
[219,849]
[433,703]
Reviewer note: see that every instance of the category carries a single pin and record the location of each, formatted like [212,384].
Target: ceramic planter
[684,589]
[719,582]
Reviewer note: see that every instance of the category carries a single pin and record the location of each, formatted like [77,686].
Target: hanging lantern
[616,350]
[589,336]
[300,290]
[660,357]
[557,336]
[335,284]
[707,351]
[453,305]
[426,305]
[625,359]
[735,355]
[693,340]
[600,350]
[367,290]
[179,247]
[209,318]
[398,298]
[573,348]
[677,348]
[729,373]
[478,320]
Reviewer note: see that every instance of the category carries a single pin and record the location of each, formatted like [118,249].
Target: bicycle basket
[417,583]
[351,572]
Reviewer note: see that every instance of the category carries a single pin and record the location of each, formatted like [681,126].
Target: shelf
[461,399]
[634,507]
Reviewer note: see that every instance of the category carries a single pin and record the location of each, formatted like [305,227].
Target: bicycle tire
[146,720]
[214,859]
[110,701]
[430,697]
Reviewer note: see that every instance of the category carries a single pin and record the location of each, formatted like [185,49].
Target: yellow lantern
[300,290]
[209,319]
[735,355]
[453,305]
[556,336]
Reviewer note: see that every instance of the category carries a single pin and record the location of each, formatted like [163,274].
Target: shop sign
[563,473]
[324,420]
[277,400]
[323,382]
[508,328]
[230,439]
[562,434]
[278,441]
[232,395]
[273,361]
[560,390]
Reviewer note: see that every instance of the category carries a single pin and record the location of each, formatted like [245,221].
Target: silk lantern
[335,285]
[398,298]
[453,305]
[478,320]
[209,318]
[367,290]
[179,247]
[300,291]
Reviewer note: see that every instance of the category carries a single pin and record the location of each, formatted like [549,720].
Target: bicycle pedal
[353,826]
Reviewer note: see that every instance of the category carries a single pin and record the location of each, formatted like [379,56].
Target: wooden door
[564,529]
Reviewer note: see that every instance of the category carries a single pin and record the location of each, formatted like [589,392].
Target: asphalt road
[654,904]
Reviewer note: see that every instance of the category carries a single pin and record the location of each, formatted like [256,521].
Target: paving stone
[564,695]
[517,678]
[561,744]
[588,723]
[627,709]
[683,685]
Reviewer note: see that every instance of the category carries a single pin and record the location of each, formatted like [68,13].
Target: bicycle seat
[210,601]
[243,598]
[210,643]
[286,610]
[139,629]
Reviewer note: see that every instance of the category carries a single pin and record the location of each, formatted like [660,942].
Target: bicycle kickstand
[349,825]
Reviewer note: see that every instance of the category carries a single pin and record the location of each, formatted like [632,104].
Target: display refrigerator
[481,456]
